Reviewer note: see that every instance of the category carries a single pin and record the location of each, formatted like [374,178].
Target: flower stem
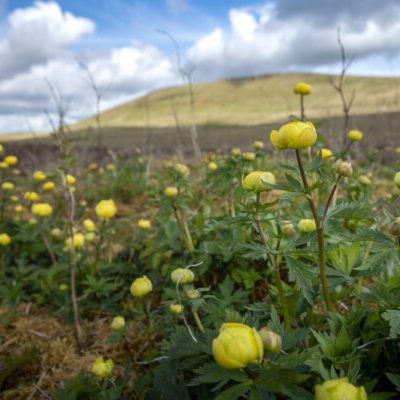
[198,321]
[320,234]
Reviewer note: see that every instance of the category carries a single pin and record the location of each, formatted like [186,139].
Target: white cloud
[177,6]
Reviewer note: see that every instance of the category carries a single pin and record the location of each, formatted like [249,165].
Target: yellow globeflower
[110,167]
[1,148]
[92,166]
[397,150]
[237,345]
[18,208]
[364,180]
[212,166]
[176,308]
[171,191]
[16,172]
[294,135]
[326,154]
[11,160]
[249,156]
[307,226]
[78,241]
[31,196]
[257,180]
[236,152]
[90,236]
[182,169]
[302,88]
[182,276]
[89,225]
[141,286]
[144,224]
[5,239]
[3,165]
[71,180]
[397,179]
[42,209]
[258,145]
[39,176]
[118,323]
[106,209]
[47,186]
[7,186]
[102,368]
[56,232]
[355,135]
[14,198]
[339,389]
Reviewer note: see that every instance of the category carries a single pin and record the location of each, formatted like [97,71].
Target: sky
[127,48]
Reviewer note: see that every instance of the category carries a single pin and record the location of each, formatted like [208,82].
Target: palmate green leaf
[395,379]
[374,236]
[393,317]
[234,392]
[344,258]
[351,210]
[213,373]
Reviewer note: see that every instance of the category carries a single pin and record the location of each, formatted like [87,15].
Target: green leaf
[234,392]
[393,317]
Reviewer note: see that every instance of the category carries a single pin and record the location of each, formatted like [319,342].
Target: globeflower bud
[3,165]
[182,276]
[397,179]
[271,340]
[212,166]
[193,294]
[307,226]
[78,241]
[294,135]
[118,323]
[287,229]
[257,180]
[237,345]
[7,186]
[18,208]
[11,160]
[176,308]
[39,176]
[326,154]
[355,135]
[1,148]
[141,286]
[56,232]
[302,88]
[339,389]
[102,369]
[89,225]
[236,152]
[47,186]
[106,209]
[171,191]
[343,168]
[42,209]
[249,156]
[144,224]
[182,169]
[63,287]
[364,180]
[90,236]
[258,145]
[70,179]
[31,196]
[110,167]
[5,239]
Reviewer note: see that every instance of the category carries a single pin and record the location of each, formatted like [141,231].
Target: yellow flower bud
[71,180]
[307,226]
[1,148]
[63,287]
[287,228]
[355,135]
[47,186]
[339,389]
[3,165]
[212,166]
[106,209]
[144,224]
[31,196]
[102,369]
[56,232]
[326,154]
[141,286]
[171,191]
[193,294]
[42,209]
[89,225]
[90,236]
[397,150]
[7,186]
[364,180]
[249,156]
[14,198]
[92,166]
[182,276]
[176,308]
[397,179]
[271,340]
[11,160]
[257,180]
[18,208]
[302,88]
[32,221]
[110,167]
[294,135]
[343,168]
[5,239]
[78,241]
[118,323]
[182,169]
[258,145]
[16,172]
[39,176]
[237,345]
[236,152]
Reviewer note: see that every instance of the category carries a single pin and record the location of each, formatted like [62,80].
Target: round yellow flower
[5,239]
[302,88]
[258,145]
[70,179]
[106,209]
[110,167]
[237,345]
[339,389]
[307,226]
[42,209]
[397,179]
[90,236]
[39,176]
[18,208]
[141,286]
[31,196]
[47,186]
[102,368]
[11,160]
[236,152]
[176,308]
[182,276]
[397,150]
[89,225]
[63,287]
[14,198]
[364,180]
[7,186]
[1,148]
[355,135]
[78,241]
[118,323]
[326,154]
[182,169]
[171,191]
[3,165]
[92,166]
[16,172]
[257,180]
[212,166]
[144,224]
[249,156]
[294,135]
[56,232]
